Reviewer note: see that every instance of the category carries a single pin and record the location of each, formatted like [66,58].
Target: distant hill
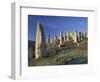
[31,44]
[31,48]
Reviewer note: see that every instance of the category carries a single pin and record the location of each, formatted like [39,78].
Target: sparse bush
[51,52]
[82,45]
[71,39]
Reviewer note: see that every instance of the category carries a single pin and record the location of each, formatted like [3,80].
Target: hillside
[69,53]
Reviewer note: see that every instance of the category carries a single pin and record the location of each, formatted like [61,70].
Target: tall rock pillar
[67,35]
[48,39]
[55,38]
[75,37]
[61,37]
[40,44]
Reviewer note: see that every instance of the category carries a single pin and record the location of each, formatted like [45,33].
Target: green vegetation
[69,53]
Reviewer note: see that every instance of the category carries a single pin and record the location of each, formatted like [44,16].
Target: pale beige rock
[75,37]
[67,35]
[40,45]
[52,40]
[61,37]
[55,38]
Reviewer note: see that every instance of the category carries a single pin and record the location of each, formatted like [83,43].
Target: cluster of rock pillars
[40,43]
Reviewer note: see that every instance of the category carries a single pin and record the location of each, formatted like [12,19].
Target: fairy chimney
[61,37]
[48,39]
[40,44]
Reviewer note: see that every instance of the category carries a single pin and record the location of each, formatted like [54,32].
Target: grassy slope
[77,55]
[63,58]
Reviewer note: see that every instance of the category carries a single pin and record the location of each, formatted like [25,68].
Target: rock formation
[75,37]
[65,37]
[40,45]
[48,39]
[61,37]
[55,38]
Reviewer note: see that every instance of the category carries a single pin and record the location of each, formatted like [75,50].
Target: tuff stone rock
[40,45]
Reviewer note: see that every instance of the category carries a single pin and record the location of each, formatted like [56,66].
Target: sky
[54,24]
